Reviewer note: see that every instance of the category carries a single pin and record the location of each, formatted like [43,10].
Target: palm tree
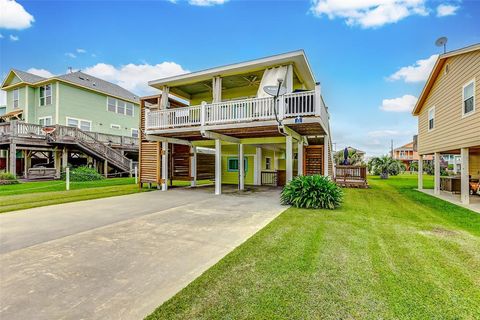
[353,157]
[386,165]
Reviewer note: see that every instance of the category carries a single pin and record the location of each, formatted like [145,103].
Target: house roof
[298,58]
[97,84]
[436,70]
[80,79]
[408,146]
[27,77]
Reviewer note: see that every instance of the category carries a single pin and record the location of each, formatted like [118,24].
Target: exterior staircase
[34,134]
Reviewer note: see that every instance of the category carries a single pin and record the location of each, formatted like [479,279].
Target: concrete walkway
[455,199]
[121,257]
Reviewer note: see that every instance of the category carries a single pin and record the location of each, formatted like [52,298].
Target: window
[45,121]
[268,163]
[115,126]
[84,125]
[120,107]
[16,97]
[72,122]
[45,95]
[232,164]
[112,105]
[469,98]
[431,118]
[134,133]
[129,109]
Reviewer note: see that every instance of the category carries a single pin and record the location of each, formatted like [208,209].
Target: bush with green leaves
[385,166]
[83,173]
[314,192]
[7,178]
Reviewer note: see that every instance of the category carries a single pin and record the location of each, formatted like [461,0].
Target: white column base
[464,177]
[218,167]
[165,166]
[436,178]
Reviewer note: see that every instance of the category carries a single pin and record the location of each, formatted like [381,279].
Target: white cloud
[135,77]
[80,50]
[14,16]
[417,72]
[13,38]
[41,72]
[204,3]
[70,55]
[444,10]
[402,104]
[369,13]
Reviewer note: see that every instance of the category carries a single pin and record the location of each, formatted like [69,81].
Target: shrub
[385,166]
[7,178]
[312,192]
[83,173]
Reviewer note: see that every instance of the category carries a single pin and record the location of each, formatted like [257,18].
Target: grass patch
[389,252]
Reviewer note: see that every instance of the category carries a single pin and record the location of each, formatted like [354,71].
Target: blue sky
[371,56]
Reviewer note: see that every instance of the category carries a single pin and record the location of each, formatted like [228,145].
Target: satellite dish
[442,42]
[275,91]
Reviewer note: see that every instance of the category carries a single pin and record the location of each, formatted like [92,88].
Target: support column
[464,177]
[64,158]
[26,162]
[257,174]
[13,159]
[241,168]
[289,158]
[164,166]
[300,158]
[193,166]
[420,172]
[325,155]
[218,166]
[436,169]
[105,168]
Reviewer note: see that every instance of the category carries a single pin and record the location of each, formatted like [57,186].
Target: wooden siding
[205,166]
[180,162]
[150,162]
[452,131]
[313,160]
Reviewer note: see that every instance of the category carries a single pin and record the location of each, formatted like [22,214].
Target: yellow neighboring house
[448,112]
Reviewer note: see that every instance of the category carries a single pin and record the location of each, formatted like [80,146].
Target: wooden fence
[351,176]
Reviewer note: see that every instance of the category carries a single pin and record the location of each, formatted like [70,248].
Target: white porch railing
[246,110]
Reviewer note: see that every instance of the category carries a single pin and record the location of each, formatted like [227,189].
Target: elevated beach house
[91,121]
[233,128]
[448,112]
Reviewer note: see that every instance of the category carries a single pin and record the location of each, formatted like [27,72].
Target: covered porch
[463,188]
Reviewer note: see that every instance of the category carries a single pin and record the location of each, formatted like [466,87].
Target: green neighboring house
[73,99]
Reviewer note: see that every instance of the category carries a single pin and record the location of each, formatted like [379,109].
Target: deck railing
[32,130]
[350,174]
[245,110]
[269,178]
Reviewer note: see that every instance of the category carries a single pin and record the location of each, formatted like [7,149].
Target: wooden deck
[351,176]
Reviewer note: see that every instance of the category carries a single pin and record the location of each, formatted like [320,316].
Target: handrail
[296,104]
[89,141]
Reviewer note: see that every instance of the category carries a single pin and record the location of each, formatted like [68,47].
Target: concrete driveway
[120,257]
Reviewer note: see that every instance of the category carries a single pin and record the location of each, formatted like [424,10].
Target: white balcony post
[325,154]
[164,166]
[318,99]
[193,166]
[257,174]
[218,166]
[300,158]
[281,108]
[164,98]
[202,113]
[241,168]
[436,169]
[464,176]
[420,172]
[217,89]
[289,158]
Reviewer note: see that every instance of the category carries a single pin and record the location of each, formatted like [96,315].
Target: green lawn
[389,252]
[43,193]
